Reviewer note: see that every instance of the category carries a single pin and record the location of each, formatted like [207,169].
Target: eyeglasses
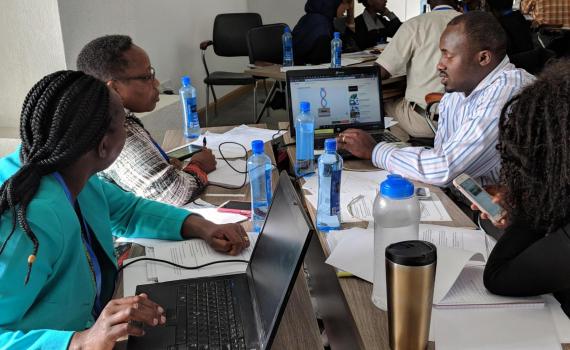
[145,78]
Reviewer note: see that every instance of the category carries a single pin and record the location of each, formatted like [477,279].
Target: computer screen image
[338,101]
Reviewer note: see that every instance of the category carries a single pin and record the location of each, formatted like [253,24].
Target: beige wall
[31,46]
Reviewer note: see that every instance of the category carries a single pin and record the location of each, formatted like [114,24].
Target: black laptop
[240,311]
[343,98]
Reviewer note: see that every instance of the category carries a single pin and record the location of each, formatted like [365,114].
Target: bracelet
[196,170]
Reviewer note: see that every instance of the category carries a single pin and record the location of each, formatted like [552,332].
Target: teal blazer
[60,294]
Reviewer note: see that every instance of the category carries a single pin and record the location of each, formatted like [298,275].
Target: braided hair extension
[534,142]
[65,115]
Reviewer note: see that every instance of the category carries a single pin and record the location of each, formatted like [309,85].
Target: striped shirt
[142,169]
[467,134]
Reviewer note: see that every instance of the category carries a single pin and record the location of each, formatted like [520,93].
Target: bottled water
[304,141]
[330,168]
[188,99]
[396,218]
[336,50]
[287,40]
[259,171]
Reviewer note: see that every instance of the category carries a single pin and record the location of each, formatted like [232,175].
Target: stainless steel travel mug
[410,277]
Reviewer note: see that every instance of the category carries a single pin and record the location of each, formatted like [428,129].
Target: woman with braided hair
[57,265]
[533,255]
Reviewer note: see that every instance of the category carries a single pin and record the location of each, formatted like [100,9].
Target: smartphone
[478,196]
[184,152]
[237,207]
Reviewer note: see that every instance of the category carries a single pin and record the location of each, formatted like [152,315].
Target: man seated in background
[478,80]
[142,167]
[414,51]
[313,33]
[515,25]
[375,24]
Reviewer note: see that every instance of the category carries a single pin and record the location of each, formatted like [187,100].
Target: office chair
[229,40]
[432,100]
[264,46]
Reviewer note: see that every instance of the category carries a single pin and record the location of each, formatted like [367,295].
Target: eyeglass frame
[143,78]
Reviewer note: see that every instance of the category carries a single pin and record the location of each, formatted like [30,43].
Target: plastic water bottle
[305,141]
[259,171]
[287,40]
[188,99]
[336,50]
[330,169]
[396,218]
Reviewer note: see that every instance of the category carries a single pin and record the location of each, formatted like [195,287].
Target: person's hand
[227,238]
[175,162]
[205,160]
[115,323]
[497,193]
[357,142]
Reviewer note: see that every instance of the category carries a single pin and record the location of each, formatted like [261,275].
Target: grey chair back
[264,43]
[230,31]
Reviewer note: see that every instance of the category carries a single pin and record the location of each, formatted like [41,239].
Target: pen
[343,274]
[204,142]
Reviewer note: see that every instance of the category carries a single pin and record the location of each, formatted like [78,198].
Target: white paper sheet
[433,210]
[225,175]
[197,252]
[218,217]
[494,329]
[134,275]
[559,318]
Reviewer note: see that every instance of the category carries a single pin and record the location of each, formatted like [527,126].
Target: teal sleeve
[136,217]
[18,302]
[45,339]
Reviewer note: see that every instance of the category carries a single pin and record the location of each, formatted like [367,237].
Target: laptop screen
[278,255]
[340,98]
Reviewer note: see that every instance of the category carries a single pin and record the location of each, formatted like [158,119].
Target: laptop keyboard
[207,317]
[378,137]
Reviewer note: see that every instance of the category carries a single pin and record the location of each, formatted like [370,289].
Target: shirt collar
[490,78]
[372,21]
[442,7]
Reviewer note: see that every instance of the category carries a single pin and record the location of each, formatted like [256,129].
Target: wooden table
[350,318]
[298,328]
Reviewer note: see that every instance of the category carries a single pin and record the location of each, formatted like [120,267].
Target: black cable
[234,169]
[277,133]
[286,145]
[180,266]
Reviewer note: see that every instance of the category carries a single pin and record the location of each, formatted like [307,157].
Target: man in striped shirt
[478,80]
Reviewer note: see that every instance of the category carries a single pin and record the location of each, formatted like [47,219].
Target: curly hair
[65,115]
[534,143]
[103,57]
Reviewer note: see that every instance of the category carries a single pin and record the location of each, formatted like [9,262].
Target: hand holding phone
[184,152]
[479,197]
[236,207]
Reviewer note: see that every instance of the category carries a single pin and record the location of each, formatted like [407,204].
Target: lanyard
[86,236]
[164,155]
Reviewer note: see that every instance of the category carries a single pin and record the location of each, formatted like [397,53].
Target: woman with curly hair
[533,255]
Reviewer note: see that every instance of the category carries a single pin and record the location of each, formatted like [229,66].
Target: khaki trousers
[412,123]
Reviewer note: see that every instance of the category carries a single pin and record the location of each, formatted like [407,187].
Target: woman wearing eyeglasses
[142,167]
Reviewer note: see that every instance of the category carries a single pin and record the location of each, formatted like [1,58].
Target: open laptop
[240,311]
[343,98]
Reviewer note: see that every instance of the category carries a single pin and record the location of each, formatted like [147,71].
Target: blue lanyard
[86,236]
[160,149]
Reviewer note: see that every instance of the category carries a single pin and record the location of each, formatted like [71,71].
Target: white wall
[30,48]
[170,32]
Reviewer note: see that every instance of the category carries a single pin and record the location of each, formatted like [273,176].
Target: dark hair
[483,32]
[103,57]
[364,3]
[64,116]
[500,5]
[534,142]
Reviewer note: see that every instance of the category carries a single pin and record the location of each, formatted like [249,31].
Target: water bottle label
[335,192]
[268,185]
[191,111]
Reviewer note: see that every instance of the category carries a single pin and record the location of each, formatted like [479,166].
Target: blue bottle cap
[336,35]
[287,30]
[185,81]
[305,106]
[396,187]
[330,145]
[257,146]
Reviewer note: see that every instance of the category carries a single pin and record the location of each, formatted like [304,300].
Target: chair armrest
[204,44]
[433,97]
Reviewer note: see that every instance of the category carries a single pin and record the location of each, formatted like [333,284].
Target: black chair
[265,46]
[229,40]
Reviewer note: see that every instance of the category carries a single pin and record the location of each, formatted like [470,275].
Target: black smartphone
[184,152]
